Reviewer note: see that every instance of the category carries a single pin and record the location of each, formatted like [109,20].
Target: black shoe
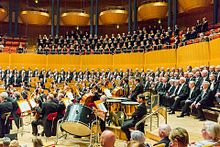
[187,114]
[172,112]
[202,119]
[180,116]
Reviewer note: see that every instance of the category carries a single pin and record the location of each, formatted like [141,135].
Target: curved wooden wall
[205,53]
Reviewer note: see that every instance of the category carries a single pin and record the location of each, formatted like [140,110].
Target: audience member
[210,133]
[6,141]
[164,132]
[179,137]
[139,137]
[134,143]
[107,139]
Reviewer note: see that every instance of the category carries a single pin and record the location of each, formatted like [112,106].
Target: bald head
[108,139]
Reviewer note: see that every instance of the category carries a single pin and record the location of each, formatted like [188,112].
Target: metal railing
[150,116]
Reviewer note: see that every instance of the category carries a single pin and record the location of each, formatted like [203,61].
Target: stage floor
[192,125]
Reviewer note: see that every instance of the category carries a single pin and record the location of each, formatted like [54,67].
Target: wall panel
[194,55]
[165,58]
[131,61]
[215,52]
[63,61]
[27,60]
[4,58]
[96,61]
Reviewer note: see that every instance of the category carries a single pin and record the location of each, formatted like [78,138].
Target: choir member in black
[193,93]
[138,89]
[48,107]
[139,113]
[205,26]
[203,100]
[181,94]
[5,107]
[163,89]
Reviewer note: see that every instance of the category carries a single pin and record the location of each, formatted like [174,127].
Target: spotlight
[36,1]
[117,26]
[77,28]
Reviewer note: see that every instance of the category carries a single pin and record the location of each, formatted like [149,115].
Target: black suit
[187,103]
[47,108]
[16,81]
[14,114]
[182,94]
[162,91]
[205,101]
[146,85]
[138,90]
[136,116]
[167,98]
[165,141]
[5,107]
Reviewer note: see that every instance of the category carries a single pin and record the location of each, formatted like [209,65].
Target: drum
[113,105]
[77,120]
[117,92]
[129,107]
[87,98]
[120,98]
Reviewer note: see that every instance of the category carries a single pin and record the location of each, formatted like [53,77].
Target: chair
[6,116]
[52,117]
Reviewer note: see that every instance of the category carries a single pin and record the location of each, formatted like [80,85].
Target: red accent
[52,116]
[91,104]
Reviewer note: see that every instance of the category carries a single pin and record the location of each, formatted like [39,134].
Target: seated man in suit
[163,89]
[203,100]
[136,116]
[138,89]
[170,94]
[47,107]
[164,132]
[193,93]
[182,94]
[5,107]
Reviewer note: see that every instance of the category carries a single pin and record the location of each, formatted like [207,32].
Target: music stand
[24,108]
[66,101]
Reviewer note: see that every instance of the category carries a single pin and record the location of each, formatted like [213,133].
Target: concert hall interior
[109,73]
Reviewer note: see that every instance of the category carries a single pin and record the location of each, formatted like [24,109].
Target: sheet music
[101,106]
[107,92]
[70,95]
[24,106]
[33,103]
[67,102]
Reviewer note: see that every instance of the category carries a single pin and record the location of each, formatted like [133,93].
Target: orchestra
[77,96]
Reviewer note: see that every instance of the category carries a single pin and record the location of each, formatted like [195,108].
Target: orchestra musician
[139,113]
[5,107]
[138,89]
[16,116]
[47,107]
[125,87]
